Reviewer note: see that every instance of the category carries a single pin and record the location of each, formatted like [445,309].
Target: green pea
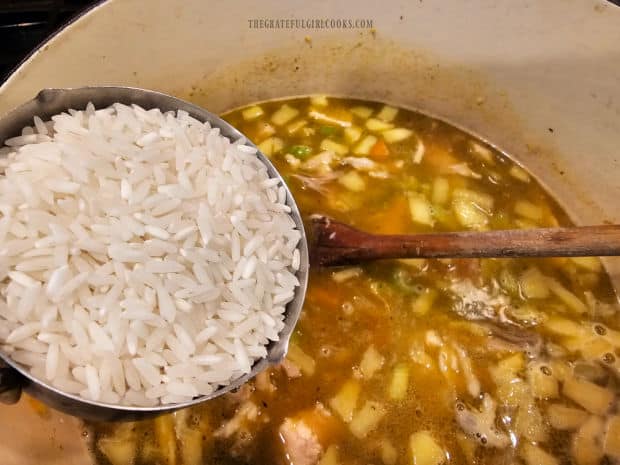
[328,130]
[300,151]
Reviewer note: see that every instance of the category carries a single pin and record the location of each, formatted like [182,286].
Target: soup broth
[494,361]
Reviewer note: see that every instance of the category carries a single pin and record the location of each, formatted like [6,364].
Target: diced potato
[524,224]
[319,101]
[432,339]
[365,145]
[441,191]
[166,438]
[283,115]
[271,146]
[119,451]
[419,356]
[423,303]
[345,202]
[471,380]
[320,163]
[362,112]
[528,210]
[338,149]
[341,118]
[149,452]
[387,113]
[593,349]
[588,279]
[352,134]
[425,450]
[421,209]
[448,362]
[533,284]
[346,274]
[463,169]
[590,396]
[353,181]
[330,457]
[530,423]
[508,281]
[519,173]
[513,394]
[613,337]
[389,455]
[577,344]
[191,447]
[507,369]
[372,361]
[542,382]
[566,296]
[345,401]
[420,150]
[306,364]
[417,263]
[396,135]
[565,418]
[367,419]
[400,382]
[481,199]
[482,152]
[292,160]
[252,113]
[376,125]
[468,447]
[588,263]
[469,214]
[296,126]
[564,327]
[560,368]
[586,446]
[612,437]
[534,455]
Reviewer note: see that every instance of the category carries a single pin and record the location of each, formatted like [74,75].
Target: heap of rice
[144,258]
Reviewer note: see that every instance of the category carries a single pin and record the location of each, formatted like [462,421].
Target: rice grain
[146,258]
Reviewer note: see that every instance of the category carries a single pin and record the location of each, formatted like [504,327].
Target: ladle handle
[339,244]
[10,385]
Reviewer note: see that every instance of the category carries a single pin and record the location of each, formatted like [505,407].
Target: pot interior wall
[542,83]
[539,80]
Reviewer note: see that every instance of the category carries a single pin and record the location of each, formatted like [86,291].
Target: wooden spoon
[336,243]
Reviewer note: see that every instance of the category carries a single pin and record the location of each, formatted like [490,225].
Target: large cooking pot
[540,80]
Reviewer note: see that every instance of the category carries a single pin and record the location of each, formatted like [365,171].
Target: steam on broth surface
[411,361]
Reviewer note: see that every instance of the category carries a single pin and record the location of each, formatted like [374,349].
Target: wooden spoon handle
[338,244]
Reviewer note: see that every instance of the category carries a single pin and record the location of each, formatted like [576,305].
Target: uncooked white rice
[144,258]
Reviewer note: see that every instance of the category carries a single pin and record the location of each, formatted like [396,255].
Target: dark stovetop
[26,23]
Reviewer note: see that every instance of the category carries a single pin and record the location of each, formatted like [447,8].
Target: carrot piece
[323,297]
[440,158]
[394,219]
[321,422]
[379,150]
[40,408]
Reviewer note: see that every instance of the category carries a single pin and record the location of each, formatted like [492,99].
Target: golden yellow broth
[378,305]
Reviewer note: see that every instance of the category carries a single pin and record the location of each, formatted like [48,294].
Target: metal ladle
[50,102]
[333,244]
